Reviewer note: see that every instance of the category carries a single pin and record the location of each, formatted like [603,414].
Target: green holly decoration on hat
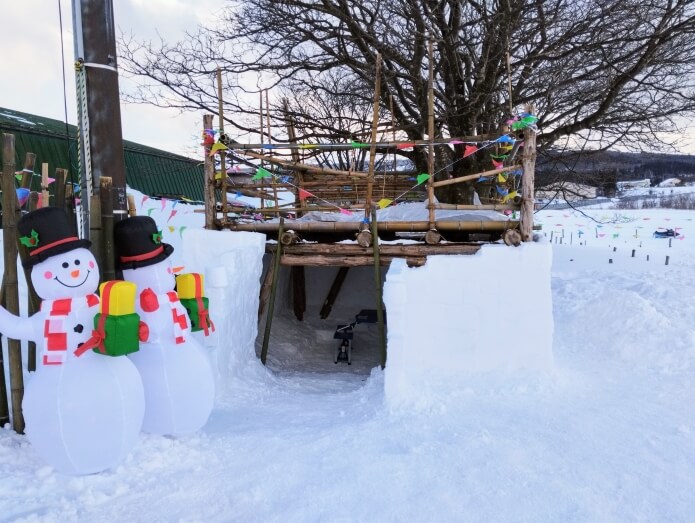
[30,241]
[157,237]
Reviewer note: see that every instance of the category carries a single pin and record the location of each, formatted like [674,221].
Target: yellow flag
[501,178]
[509,196]
[172,228]
[217,146]
[218,175]
[384,202]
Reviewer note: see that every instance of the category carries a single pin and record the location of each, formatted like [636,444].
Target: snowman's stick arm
[19,327]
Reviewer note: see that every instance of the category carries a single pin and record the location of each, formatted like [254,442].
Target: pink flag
[498,165]
[469,149]
[171,215]
[404,145]
[144,199]
[344,211]
[164,203]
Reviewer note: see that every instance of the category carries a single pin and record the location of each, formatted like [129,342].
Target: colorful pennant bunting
[423,177]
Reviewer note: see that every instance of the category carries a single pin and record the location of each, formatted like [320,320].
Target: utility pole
[98,103]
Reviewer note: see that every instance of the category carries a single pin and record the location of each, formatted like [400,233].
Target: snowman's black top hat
[139,243]
[47,232]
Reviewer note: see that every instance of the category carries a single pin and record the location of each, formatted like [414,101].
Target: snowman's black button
[78,328]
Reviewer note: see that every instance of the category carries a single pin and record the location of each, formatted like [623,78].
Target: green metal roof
[151,171]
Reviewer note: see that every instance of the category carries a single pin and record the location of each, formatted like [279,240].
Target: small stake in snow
[615,249]
[610,260]
[633,253]
[669,243]
[666,260]
[647,257]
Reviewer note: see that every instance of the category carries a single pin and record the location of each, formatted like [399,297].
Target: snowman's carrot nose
[176,269]
[75,273]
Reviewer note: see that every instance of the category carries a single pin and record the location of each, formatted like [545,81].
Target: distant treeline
[603,169]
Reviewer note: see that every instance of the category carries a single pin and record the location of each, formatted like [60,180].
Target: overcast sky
[31,64]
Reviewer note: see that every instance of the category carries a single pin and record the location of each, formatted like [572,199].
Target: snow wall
[457,315]
[231,263]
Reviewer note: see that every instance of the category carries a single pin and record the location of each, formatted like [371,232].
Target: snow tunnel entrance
[332,309]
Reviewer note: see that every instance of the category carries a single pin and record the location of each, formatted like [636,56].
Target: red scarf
[54,329]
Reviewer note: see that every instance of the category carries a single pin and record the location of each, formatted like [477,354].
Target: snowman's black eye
[77,262]
[65,265]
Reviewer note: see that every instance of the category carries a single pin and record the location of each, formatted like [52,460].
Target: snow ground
[608,435]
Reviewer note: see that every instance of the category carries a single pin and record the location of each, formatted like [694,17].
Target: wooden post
[9,281]
[372,146]
[273,290]
[295,155]
[59,191]
[379,296]
[132,210]
[209,184]
[430,132]
[108,266]
[270,140]
[69,205]
[45,199]
[333,292]
[528,162]
[28,171]
[298,291]
[223,155]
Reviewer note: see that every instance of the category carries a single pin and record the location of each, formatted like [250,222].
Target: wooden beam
[322,260]
[351,249]
[460,179]
[333,292]
[391,226]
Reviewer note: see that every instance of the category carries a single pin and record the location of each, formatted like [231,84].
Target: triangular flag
[344,211]
[218,175]
[217,146]
[469,149]
[304,194]
[171,215]
[171,228]
[181,231]
[455,142]
[384,202]
[509,196]
[164,203]
[498,165]
[506,138]
[50,180]
[149,211]
[19,176]
[22,196]
[308,146]
[358,145]
[144,199]
[404,145]
[423,177]
[501,178]
[262,173]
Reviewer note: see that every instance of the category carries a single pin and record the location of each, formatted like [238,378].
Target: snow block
[458,315]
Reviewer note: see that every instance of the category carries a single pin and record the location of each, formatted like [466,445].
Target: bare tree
[600,72]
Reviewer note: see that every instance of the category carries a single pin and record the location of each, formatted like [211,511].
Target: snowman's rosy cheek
[48,275]
[91,264]
[169,270]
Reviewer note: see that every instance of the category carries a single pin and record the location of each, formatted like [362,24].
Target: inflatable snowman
[175,370]
[83,410]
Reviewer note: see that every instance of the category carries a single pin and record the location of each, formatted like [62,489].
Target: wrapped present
[117,327]
[189,287]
